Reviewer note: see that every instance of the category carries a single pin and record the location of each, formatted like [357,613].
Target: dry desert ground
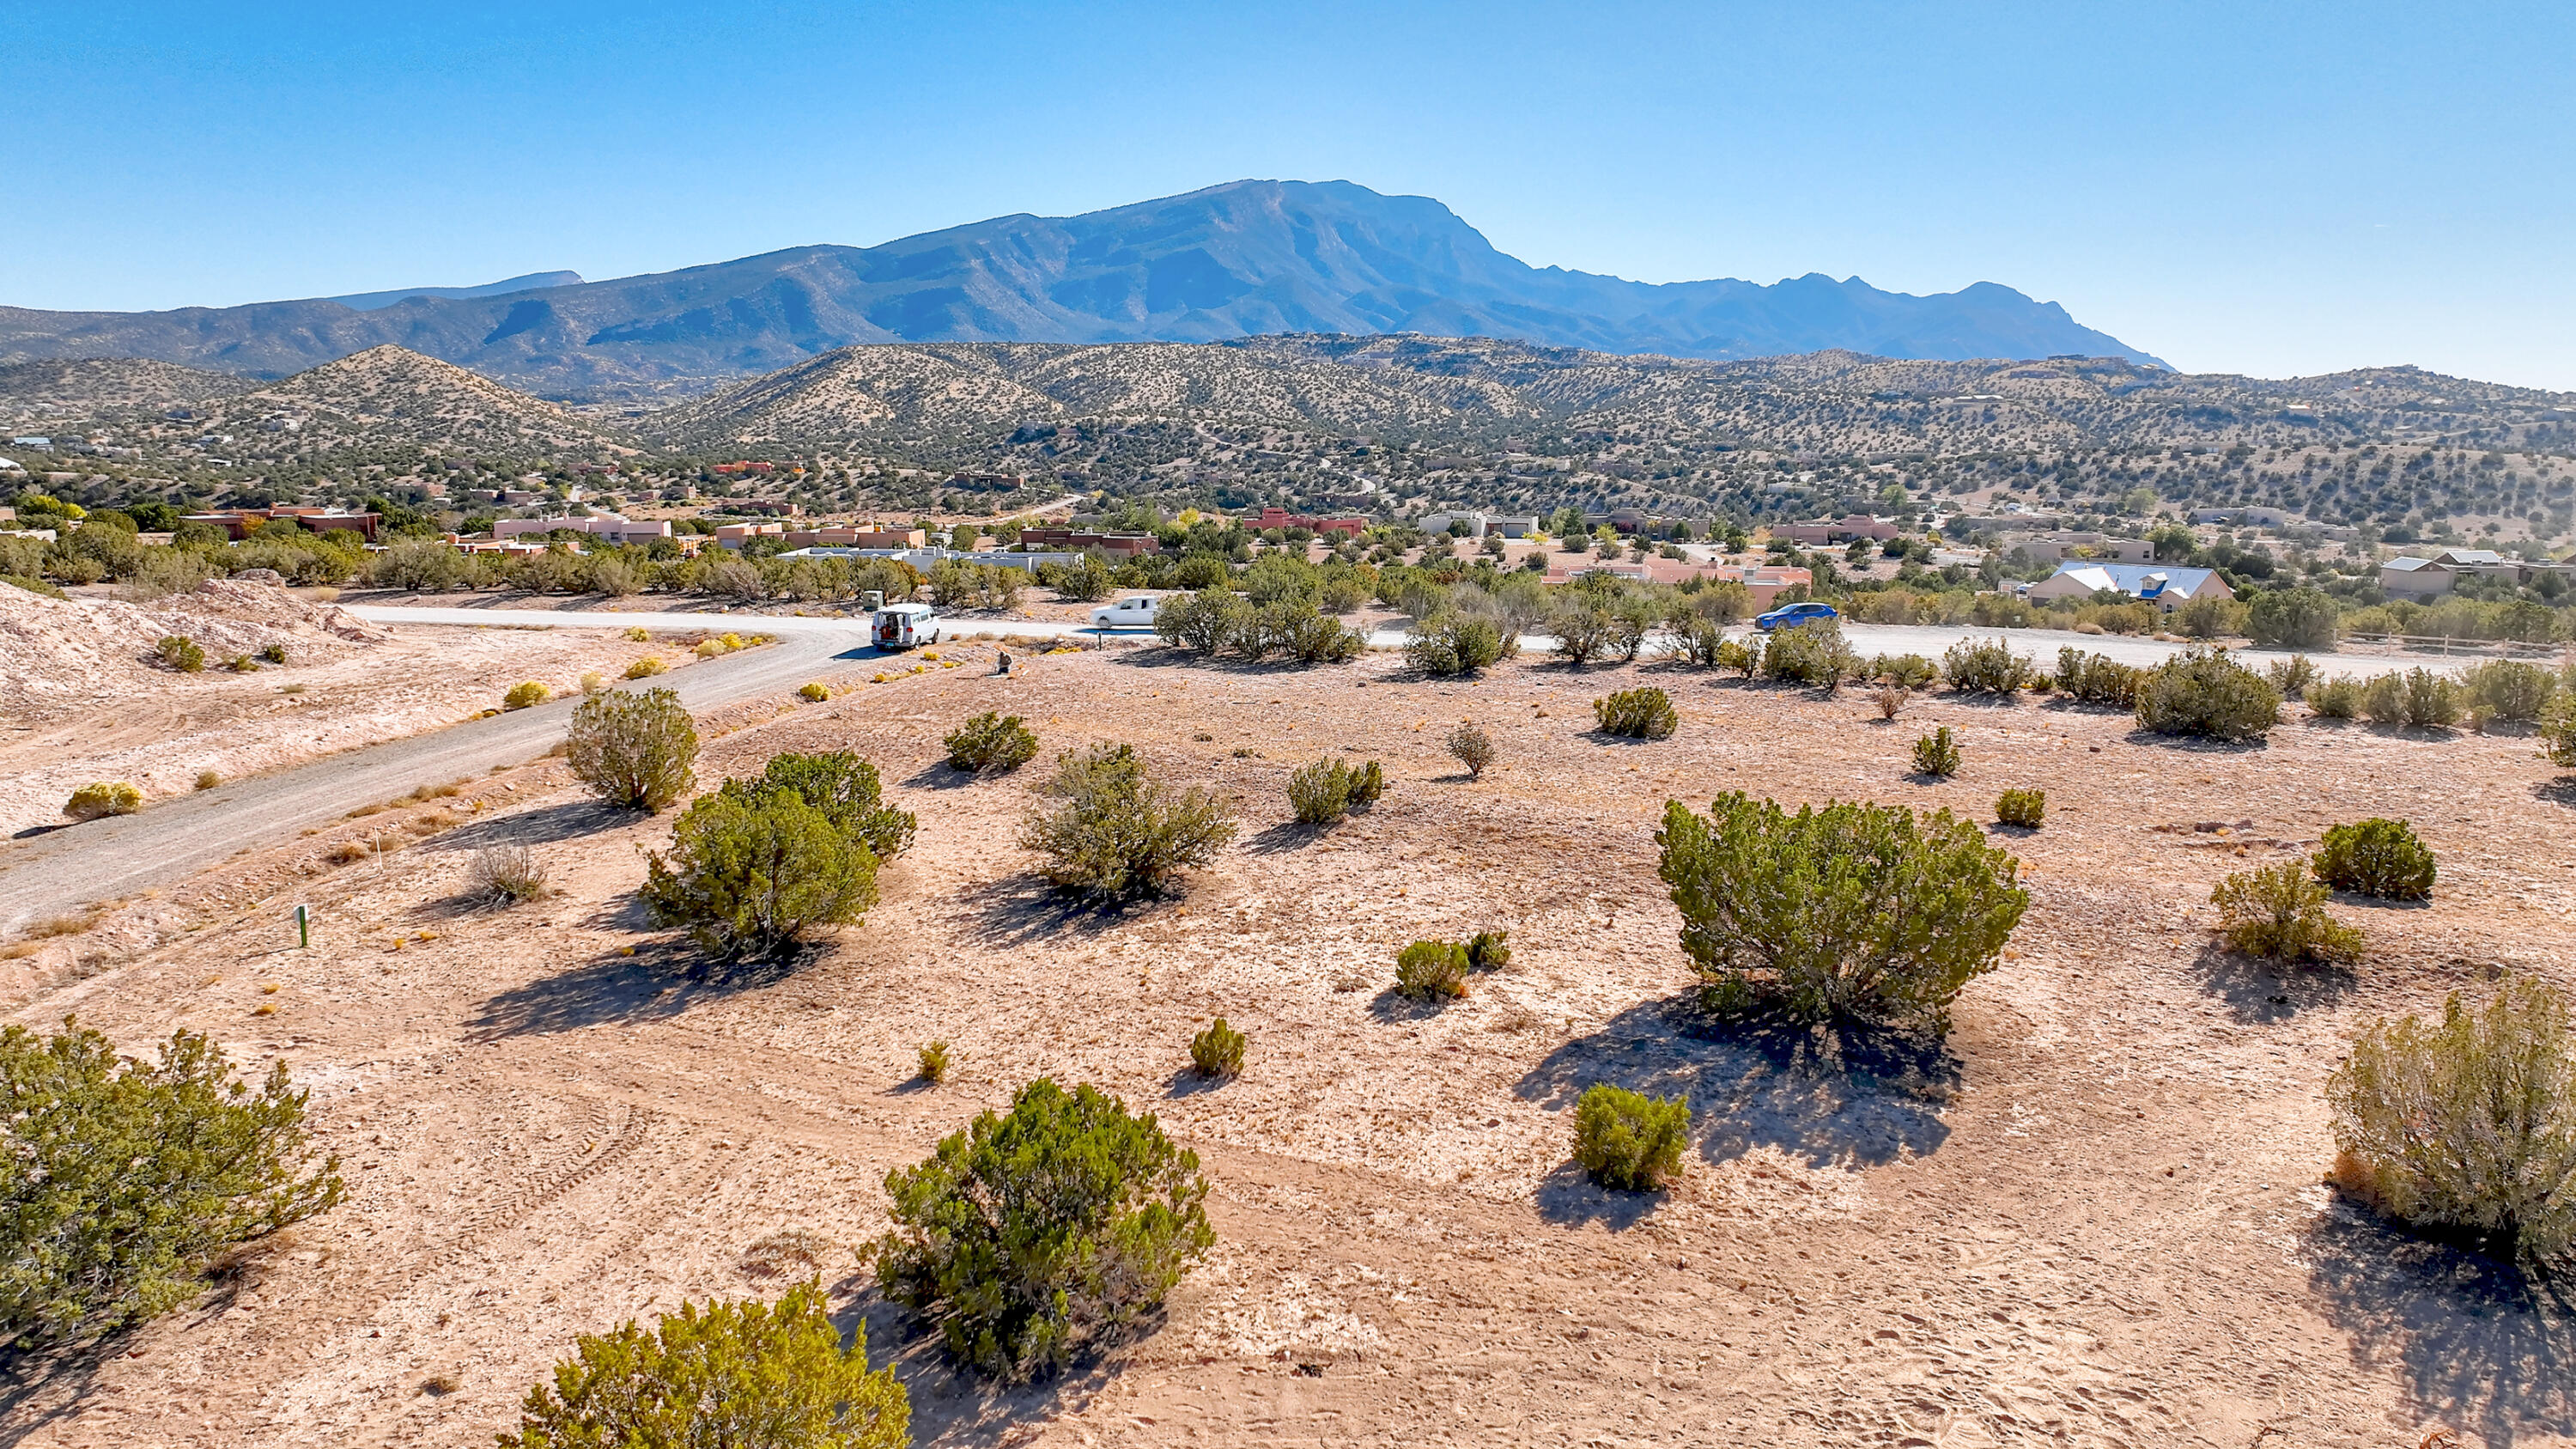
[2093,1217]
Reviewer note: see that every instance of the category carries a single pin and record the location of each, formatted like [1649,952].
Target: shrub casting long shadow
[660,981]
[1570,1198]
[2477,1343]
[2257,990]
[956,1406]
[1852,1099]
[1027,909]
[542,826]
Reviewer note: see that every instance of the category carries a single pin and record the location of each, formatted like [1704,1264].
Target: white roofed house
[2167,586]
[2430,578]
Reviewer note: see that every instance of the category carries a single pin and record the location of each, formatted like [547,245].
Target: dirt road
[54,871]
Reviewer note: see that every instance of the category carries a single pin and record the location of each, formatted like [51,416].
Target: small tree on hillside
[844,788]
[750,873]
[634,750]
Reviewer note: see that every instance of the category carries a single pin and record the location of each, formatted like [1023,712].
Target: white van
[901,626]
[1135,613]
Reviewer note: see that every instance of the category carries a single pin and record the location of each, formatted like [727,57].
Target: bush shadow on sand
[663,979]
[1847,1099]
[2477,1343]
[953,1405]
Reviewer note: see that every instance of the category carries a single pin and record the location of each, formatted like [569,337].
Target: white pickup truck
[1135,613]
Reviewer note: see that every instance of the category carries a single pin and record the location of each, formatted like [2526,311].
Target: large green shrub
[1028,1236]
[102,798]
[1852,912]
[634,750]
[2416,699]
[125,1179]
[1628,1140]
[1639,714]
[1320,793]
[1809,654]
[2203,692]
[1986,667]
[2509,689]
[2336,698]
[844,788]
[1113,833]
[1457,644]
[2097,679]
[991,741]
[2468,1125]
[2292,619]
[745,1375]
[2279,914]
[751,872]
[1584,631]
[2376,858]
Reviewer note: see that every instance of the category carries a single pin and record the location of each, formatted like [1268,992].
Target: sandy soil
[2094,1217]
[99,712]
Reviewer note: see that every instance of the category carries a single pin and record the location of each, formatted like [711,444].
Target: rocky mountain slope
[32,392]
[1437,390]
[1245,259]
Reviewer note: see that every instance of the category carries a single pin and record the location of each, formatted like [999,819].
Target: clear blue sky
[2270,188]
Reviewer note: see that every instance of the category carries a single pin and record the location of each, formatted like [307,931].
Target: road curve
[52,873]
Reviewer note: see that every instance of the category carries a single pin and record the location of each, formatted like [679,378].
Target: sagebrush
[638,751]
[1639,714]
[2377,857]
[2278,913]
[1112,832]
[2467,1125]
[991,742]
[1218,1050]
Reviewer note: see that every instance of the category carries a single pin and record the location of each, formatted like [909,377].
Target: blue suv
[1794,615]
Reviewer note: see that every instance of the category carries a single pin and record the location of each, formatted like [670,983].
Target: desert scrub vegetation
[748,1373]
[1472,747]
[756,866]
[1326,790]
[1890,700]
[637,751]
[1986,667]
[1431,971]
[1112,833]
[1629,1141]
[1636,714]
[127,1179]
[102,798]
[1936,755]
[2097,679]
[2558,731]
[2508,690]
[813,691]
[1809,654]
[2336,698]
[934,1062]
[1034,1234]
[2024,808]
[2202,692]
[182,653]
[2418,699]
[1219,622]
[526,695]
[2376,857]
[1853,913]
[504,875]
[646,668]
[2466,1127]
[992,742]
[2279,914]
[1909,672]
[1459,644]
[1217,1052]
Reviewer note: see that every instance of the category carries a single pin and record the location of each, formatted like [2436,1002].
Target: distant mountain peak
[370,301]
